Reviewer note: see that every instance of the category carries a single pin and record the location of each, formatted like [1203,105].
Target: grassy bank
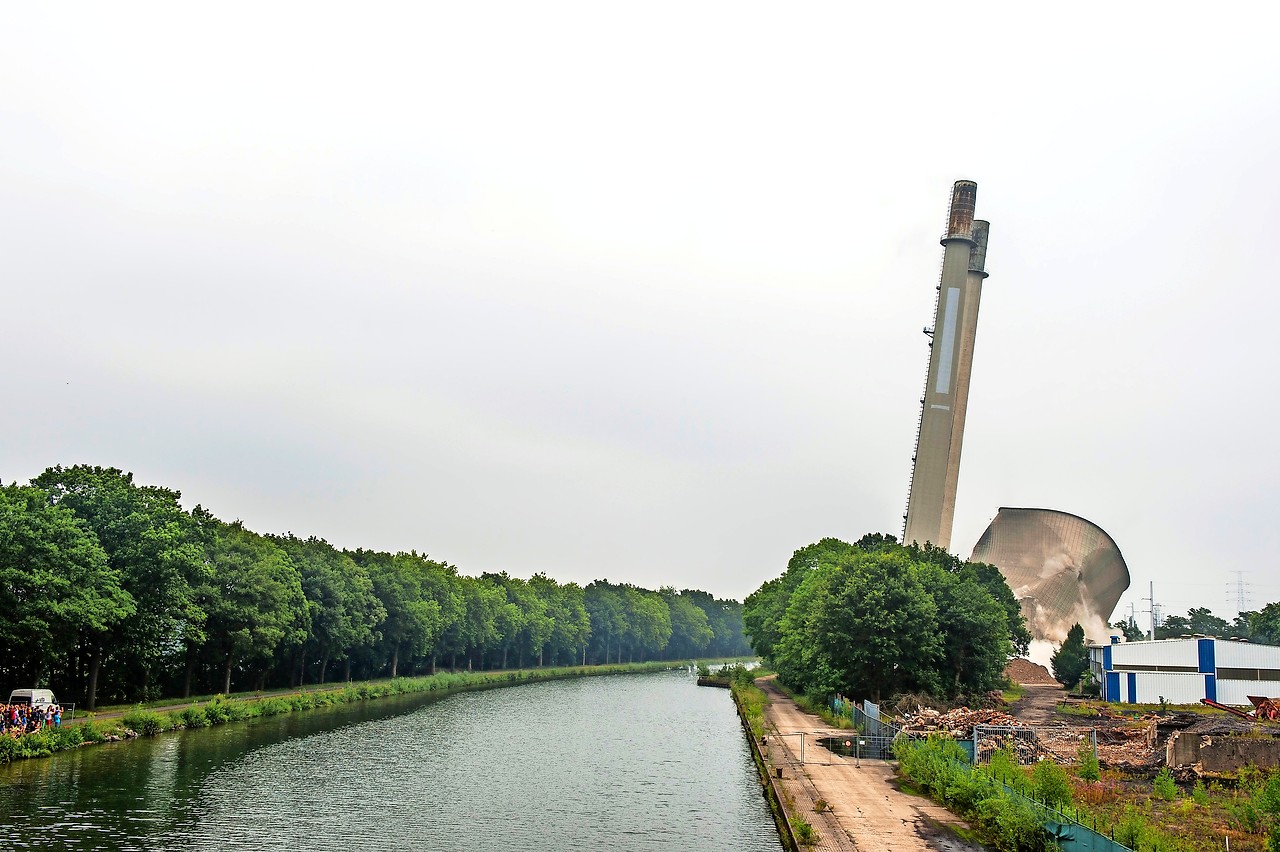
[793,830]
[219,709]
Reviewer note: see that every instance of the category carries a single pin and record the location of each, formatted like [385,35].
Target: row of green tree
[875,618]
[111,589]
[1261,626]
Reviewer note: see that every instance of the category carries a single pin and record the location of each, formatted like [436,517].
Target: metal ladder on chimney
[924,392]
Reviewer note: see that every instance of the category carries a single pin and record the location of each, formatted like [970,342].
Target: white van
[32,696]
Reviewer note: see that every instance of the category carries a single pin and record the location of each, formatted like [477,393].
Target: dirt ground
[1039,705]
[868,811]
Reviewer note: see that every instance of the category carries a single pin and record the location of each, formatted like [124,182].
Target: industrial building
[1182,671]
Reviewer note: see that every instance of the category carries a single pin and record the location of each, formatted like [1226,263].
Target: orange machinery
[1264,709]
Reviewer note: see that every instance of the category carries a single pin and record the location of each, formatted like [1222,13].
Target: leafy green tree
[570,624]
[526,622]
[766,607]
[1071,660]
[649,621]
[406,585]
[343,613]
[988,576]
[877,618]
[690,628]
[1130,630]
[803,661]
[724,617]
[258,608]
[609,624]
[880,626]
[1262,626]
[509,617]
[1203,622]
[475,631]
[169,595]
[1173,626]
[56,586]
[155,548]
[762,614]
[998,587]
[975,631]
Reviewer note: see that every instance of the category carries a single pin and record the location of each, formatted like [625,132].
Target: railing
[1070,831]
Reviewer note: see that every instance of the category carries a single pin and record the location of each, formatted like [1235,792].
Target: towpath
[868,813]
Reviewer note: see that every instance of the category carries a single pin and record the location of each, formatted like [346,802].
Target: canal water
[625,762]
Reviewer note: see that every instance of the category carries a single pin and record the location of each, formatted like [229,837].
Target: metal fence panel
[1030,745]
[1021,742]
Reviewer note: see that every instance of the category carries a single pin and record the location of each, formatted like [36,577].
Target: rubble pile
[1124,747]
[1027,673]
[1062,744]
[1026,749]
[1209,726]
[1121,746]
[956,723]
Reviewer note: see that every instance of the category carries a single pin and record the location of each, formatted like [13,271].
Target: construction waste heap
[1190,743]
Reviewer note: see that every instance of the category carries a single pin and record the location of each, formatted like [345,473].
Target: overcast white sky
[636,291]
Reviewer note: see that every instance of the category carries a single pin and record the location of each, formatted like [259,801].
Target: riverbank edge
[752,720]
[221,709]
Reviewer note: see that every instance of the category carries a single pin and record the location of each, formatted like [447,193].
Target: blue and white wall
[1182,671]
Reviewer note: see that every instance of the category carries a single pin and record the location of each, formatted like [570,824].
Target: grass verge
[219,709]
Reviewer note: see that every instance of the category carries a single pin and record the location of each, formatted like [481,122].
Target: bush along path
[141,721]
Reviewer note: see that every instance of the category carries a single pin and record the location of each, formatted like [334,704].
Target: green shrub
[273,707]
[923,762]
[234,710]
[1266,797]
[1199,794]
[1004,767]
[1245,816]
[1050,784]
[215,713]
[806,835]
[1131,829]
[1164,785]
[1013,825]
[966,790]
[193,717]
[37,744]
[1136,833]
[145,723]
[1089,769]
[91,732]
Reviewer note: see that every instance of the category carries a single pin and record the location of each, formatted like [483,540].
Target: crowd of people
[19,719]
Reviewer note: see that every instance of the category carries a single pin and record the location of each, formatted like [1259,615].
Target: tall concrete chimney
[935,474]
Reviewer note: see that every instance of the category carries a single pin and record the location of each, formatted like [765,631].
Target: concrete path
[869,813]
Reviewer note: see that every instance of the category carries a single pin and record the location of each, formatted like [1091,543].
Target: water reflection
[626,762]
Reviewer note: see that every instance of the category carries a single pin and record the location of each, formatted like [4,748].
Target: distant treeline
[111,590]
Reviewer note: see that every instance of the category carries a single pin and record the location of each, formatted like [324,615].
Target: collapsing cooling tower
[1063,569]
